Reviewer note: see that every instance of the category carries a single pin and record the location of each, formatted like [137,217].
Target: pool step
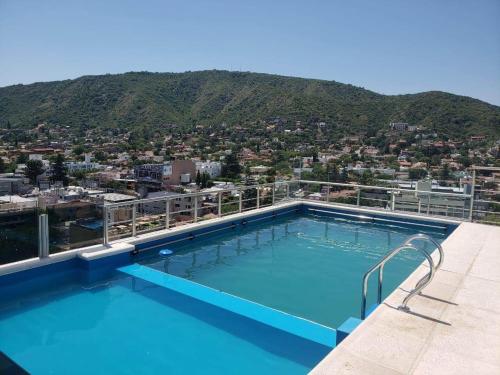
[289,323]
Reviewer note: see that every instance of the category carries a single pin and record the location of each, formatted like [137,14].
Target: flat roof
[16,199]
[116,197]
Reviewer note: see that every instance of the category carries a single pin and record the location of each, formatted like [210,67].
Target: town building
[213,168]
[176,172]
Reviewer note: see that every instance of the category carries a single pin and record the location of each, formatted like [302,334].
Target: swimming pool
[310,266]
[257,296]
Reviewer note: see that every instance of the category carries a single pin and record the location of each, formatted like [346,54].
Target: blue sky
[392,47]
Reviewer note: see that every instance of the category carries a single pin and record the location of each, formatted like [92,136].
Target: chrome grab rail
[422,283]
[425,237]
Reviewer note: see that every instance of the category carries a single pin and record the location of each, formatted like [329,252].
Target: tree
[34,168]
[344,176]
[2,166]
[231,167]
[59,170]
[204,180]
[99,155]
[198,178]
[22,159]
[366,178]
[78,150]
[444,173]
[417,173]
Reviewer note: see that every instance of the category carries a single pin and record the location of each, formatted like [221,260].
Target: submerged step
[289,323]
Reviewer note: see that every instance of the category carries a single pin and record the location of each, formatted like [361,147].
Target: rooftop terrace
[452,326]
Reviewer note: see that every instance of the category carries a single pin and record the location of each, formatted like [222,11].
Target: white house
[213,168]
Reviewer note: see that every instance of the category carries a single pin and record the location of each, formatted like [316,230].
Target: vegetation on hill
[157,100]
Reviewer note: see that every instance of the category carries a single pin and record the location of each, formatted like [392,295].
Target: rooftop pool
[262,295]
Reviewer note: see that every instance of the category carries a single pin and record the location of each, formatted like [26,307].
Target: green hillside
[134,100]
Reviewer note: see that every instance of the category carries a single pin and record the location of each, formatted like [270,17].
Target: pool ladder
[423,282]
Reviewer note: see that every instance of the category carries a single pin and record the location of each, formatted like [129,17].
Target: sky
[388,46]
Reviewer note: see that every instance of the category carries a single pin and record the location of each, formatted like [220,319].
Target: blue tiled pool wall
[383,219]
[307,352]
[311,331]
[91,271]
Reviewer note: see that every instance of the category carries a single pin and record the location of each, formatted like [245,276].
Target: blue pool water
[136,322]
[308,266]
[129,326]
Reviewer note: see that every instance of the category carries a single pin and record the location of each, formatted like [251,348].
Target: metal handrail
[421,284]
[132,205]
[425,237]
[191,195]
[108,207]
[390,189]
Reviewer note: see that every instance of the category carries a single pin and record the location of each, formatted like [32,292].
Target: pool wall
[94,262]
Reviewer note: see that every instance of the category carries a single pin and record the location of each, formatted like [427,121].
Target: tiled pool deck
[453,328]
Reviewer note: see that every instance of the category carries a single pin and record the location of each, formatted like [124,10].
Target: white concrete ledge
[27,264]
[117,248]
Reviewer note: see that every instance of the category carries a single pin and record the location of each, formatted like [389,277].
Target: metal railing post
[241,199]
[258,196]
[358,199]
[167,214]
[287,191]
[195,214]
[393,200]
[134,216]
[105,226]
[219,208]
[472,190]
[43,236]
[380,283]
[274,192]
[328,194]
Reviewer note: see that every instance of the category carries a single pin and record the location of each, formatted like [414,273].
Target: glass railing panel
[150,216]
[120,221]
[249,198]
[73,225]
[230,204]
[208,206]
[18,234]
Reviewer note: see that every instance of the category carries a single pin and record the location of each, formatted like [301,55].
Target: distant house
[170,173]
[402,127]
[477,138]
[11,183]
[213,168]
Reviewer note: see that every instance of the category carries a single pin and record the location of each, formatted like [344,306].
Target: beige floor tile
[473,318]
[487,266]
[479,292]
[385,347]
[435,362]
[342,362]
[469,343]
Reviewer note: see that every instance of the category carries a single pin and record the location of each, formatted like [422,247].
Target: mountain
[145,99]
